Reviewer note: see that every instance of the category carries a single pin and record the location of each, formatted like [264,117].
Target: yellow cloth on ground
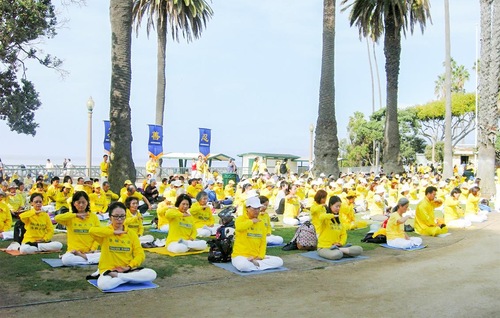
[164,251]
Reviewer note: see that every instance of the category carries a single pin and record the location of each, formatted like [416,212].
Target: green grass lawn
[29,273]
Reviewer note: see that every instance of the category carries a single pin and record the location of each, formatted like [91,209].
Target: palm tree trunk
[392,52]
[121,165]
[326,145]
[448,151]
[489,74]
[161,82]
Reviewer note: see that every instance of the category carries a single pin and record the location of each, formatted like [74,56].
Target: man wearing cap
[346,213]
[99,202]
[15,200]
[425,221]
[249,251]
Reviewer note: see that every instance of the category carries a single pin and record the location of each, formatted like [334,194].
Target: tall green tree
[459,76]
[184,17]
[22,22]
[326,143]
[390,18]
[489,89]
[121,165]
[432,118]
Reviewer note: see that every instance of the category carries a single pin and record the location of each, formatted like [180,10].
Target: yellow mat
[164,251]
[17,253]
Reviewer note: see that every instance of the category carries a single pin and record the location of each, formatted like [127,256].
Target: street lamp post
[90,108]
[311,130]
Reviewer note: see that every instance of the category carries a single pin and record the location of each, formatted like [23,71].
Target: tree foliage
[359,150]
[21,24]
[431,117]
[459,75]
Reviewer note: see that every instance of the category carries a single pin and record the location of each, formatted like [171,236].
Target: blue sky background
[253,78]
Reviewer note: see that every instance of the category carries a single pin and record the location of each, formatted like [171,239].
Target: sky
[252,77]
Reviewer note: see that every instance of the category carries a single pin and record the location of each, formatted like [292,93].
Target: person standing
[152,166]
[231,166]
[105,167]
[50,169]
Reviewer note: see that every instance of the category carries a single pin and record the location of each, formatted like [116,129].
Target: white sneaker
[160,243]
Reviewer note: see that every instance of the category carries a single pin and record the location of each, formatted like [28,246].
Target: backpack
[283,168]
[379,239]
[220,250]
[305,237]
[19,231]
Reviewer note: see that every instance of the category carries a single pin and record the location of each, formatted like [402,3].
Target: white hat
[322,175]
[177,183]
[254,202]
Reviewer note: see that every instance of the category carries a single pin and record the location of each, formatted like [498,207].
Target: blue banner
[107,143]
[205,139]
[155,143]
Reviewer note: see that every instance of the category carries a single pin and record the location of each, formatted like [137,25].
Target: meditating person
[62,198]
[99,202]
[204,221]
[6,232]
[39,229]
[292,207]
[332,235]
[396,236]
[249,251]
[453,212]
[134,219]
[318,207]
[347,213]
[82,248]
[182,232]
[264,216]
[425,221]
[472,211]
[121,252]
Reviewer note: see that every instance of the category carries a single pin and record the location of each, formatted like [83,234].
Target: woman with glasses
[182,231]
[39,228]
[121,252]
[82,248]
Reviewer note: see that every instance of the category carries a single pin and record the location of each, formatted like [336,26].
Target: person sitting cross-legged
[425,221]
[249,251]
[396,237]
[121,252]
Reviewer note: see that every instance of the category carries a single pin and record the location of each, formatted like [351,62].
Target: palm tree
[187,16]
[389,17]
[489,89]
[326,145]
[120,134]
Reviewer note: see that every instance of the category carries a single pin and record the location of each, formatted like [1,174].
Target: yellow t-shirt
[79,238]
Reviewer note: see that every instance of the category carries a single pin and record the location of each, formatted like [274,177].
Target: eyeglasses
[119,217]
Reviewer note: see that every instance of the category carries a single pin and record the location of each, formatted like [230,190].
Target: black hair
[76,196]
[181,198]
[129,200]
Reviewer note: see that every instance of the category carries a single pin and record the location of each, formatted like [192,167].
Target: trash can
[229,176]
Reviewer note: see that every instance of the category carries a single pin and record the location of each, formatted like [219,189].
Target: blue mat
[314,255]
[414,248]
[156,230]
[232,269]
[125,287]
[276,245]
[57,262]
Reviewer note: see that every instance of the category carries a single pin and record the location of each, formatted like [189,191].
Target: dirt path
[456,276]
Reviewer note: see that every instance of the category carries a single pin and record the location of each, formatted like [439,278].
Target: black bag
[283,169]
[379,239]
[19,231]
[281,207]
[409,228]
[220,250]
